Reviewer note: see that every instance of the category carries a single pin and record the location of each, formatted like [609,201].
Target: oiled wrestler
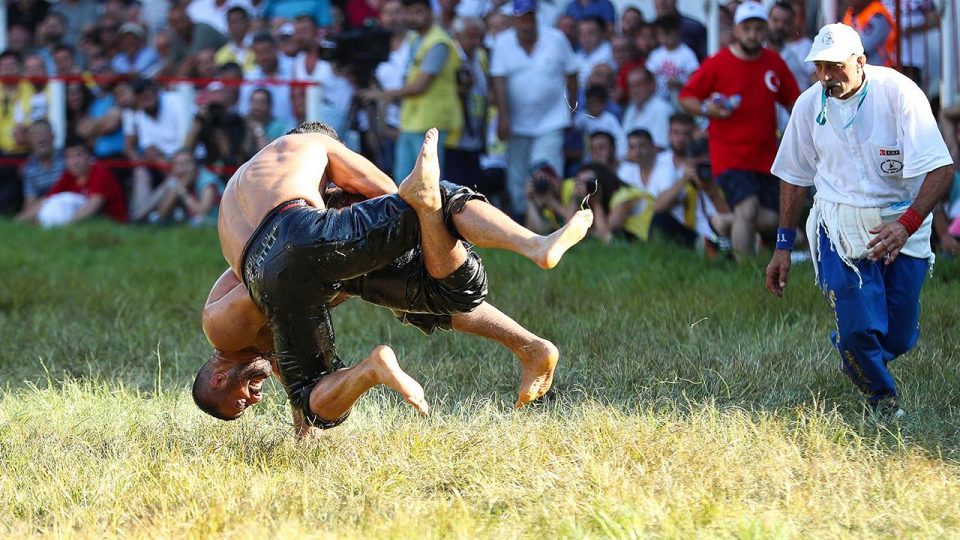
[295,257]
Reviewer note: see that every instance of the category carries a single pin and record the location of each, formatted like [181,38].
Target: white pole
[57,111]
[3,25]
[313,98]
[713,27]
[949,23]
[187,94]
[828,11]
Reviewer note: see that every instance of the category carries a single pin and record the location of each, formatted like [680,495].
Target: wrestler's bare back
[291,167]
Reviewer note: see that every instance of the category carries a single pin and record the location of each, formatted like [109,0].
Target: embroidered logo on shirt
[885,152]
[891,166]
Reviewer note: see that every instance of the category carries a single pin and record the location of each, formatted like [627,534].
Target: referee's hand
[777,272]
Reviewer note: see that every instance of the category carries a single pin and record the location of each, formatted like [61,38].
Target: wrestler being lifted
[297,259]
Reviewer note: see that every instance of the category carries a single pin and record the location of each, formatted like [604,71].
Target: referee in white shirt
[866,139]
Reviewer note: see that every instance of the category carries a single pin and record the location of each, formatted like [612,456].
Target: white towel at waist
[848,228]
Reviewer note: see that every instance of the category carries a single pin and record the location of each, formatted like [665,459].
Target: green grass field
[688,403]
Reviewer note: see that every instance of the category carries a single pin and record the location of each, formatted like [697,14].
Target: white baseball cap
[835,43]
[749,10]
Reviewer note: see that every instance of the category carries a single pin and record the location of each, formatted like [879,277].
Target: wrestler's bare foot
[388,372]
[421,188]
[555,245]
[538,361]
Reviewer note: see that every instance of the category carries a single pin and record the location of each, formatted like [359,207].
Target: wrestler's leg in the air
[538,357]
[442,253]
[479,223]
[335,394]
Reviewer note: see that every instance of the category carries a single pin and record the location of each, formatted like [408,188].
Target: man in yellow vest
[429,93]
[877,29]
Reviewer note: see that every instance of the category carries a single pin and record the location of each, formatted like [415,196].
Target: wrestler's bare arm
[231,321]
[355,173]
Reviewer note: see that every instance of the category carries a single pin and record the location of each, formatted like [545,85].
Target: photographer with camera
[693,206]
[221,133]
[429,93]
[466,145]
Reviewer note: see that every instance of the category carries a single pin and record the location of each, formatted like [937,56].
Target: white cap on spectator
[749,10]
[835,43]
[286,29]
[132,28]
[242,5]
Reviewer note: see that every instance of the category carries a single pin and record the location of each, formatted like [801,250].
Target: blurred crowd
[544,106]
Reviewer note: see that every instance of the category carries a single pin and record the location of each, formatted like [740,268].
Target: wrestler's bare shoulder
[290,167]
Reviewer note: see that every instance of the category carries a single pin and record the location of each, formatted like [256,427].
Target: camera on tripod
[358,52]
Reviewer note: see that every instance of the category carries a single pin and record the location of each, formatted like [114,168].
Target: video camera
[358,52]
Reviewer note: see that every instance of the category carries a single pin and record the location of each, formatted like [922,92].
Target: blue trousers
[876,322]
[407,150]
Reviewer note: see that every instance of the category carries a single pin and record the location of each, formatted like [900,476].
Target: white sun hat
[835,43]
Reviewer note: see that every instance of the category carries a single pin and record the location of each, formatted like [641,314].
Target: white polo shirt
[880,159]
[536,83]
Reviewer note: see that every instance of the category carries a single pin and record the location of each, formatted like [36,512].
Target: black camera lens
[704,172]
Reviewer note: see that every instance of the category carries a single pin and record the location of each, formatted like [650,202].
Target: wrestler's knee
[463,290]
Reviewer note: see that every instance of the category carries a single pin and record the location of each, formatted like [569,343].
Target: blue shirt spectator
[290,9]
[109,144]
[581,9]
[133,58]
[44,165]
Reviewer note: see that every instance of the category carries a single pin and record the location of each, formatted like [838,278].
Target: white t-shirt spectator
[207,11]
[164,132]
[282,104]
[653,116]
[665,64]
[536,83]
[793,54]
[390,76]
[603,54]
[606,122]
[913,13]
[664,176]
[336,92]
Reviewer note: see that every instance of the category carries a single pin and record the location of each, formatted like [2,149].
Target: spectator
[153,132]
[603,149]
[683,213]
[603,75]
[465,148]
[546,210]
[188,38]
[362,12]
[78,100]
[35,68]
[285,42]
[44,165]
[19,39]
[49,34]
[104,123]
[446,15]
[217,134]
[877,29]
[238,49]
[497,23]
[631,207]
[429,94]
[692,33]
[17,97]
[78,14]
[600,181]
[190,193]
[672,62]
[27,13]
[568,25]
[231,75]
[65,60]
[107,32]
[336,90]
[594,47]
[585,9]
[264,127]
[530,68]
[133,57]
[382,134]
[290,9]
[594,118]
[213,12]
[645,40]
[630,22]
[86,189]
[792,48]
[646,109]
[916,18]
[626,57]
[742,131]
[269,66]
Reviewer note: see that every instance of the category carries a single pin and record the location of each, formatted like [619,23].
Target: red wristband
[911,219]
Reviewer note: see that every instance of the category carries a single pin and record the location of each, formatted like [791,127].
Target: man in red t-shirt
[85,190]
[738,89]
